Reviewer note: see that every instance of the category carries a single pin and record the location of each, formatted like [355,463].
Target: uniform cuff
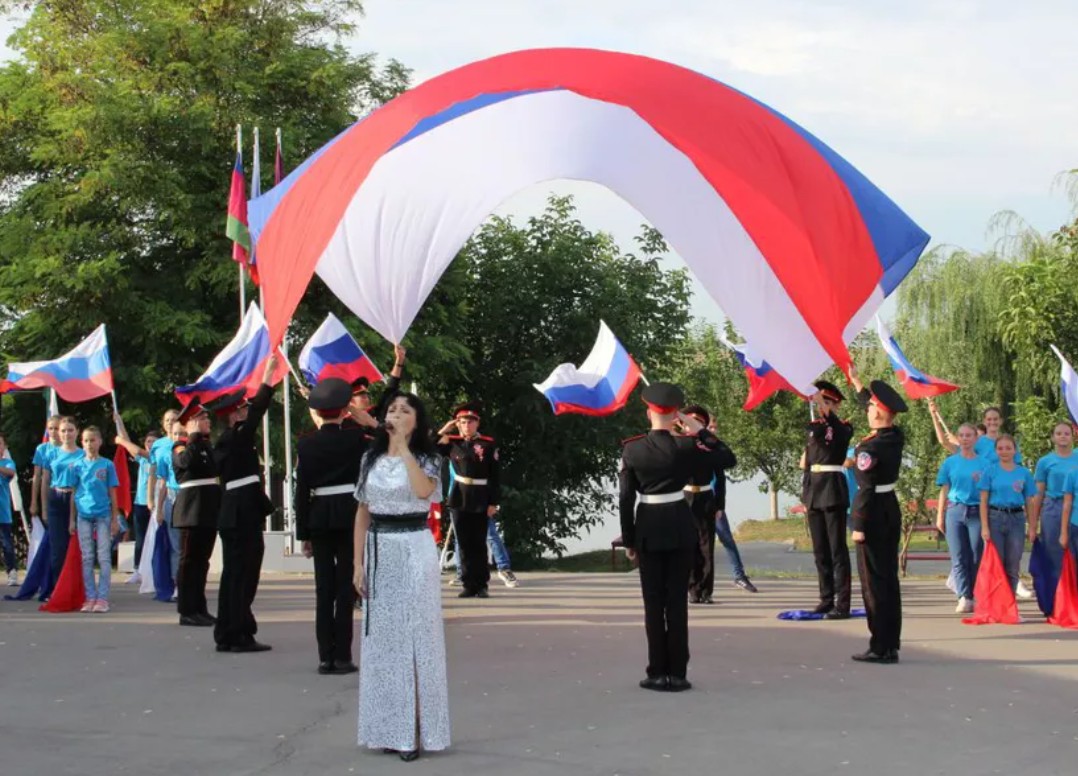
[857,523]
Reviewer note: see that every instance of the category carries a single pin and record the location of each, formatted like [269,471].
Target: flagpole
[243,290]
[267,459]
[289,514]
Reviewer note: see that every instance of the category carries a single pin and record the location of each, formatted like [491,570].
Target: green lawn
[792,529]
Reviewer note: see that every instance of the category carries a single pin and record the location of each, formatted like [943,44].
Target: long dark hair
[421,444]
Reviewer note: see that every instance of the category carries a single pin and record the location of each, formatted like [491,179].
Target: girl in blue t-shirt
[94,511]
[1007,491]
[1052,474]
[59,496]
[1068,534]
[959,516]
[985,446]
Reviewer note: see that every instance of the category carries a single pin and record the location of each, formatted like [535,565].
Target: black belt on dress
[409,523]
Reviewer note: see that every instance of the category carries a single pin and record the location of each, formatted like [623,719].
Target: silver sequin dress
[402,641]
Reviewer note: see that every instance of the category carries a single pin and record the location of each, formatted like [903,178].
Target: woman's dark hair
[421,444]
[996,410]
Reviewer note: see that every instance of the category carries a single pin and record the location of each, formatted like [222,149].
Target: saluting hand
[689,423]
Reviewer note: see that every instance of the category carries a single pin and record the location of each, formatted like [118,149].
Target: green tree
[532,297]
[117,123]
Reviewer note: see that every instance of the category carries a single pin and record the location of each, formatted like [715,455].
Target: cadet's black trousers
[828,530]
[334,558]
[664,582]
[471,530]
[196,547]
[702,580]
[241,566]
[877,565]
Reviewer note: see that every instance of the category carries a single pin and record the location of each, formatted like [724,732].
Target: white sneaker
[1022,591]
[175,597]
[134,579]
[965,606]
[13,579]
[508,577]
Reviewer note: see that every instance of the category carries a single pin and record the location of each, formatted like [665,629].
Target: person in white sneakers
[7,480]
[958,516]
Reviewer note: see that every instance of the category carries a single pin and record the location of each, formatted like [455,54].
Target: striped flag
[764,381]
[236,224]
[915,383]
[1068,386]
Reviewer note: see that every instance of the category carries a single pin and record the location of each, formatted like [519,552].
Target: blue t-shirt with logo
[1054,470]
[986,448]
[5,490]
[161,458]
[92,480]
[1008,489]
[963,477]
[60,462]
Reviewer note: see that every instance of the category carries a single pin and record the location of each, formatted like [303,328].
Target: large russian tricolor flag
[333,352]
[916,383]
[763,379]
[600,386]
[81,374]
[240,364]
[797,247]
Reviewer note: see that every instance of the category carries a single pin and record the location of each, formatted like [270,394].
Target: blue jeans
[8,546]
[1051,527]
[124,528]
[726,539]
[1008,531]
[962,523]
[95,543]
[173,534]
[494,542]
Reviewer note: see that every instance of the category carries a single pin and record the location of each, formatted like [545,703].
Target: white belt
[885,488]
[469,481]
[821,467]
[242,482]
[661,498]
[333,490]
[199,483]
[697,488]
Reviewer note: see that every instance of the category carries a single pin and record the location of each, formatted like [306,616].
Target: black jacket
[828,440]
[660,463]
[195,507]
[473,459]
[329,456]
[237,459]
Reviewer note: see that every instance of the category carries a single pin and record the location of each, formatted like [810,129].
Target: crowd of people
[368,476]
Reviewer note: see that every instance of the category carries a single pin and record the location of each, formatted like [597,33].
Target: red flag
[1065,613]
[434,522]
[993,594]
[123,474]
[69,594]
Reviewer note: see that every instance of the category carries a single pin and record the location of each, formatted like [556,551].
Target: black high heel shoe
[410,756]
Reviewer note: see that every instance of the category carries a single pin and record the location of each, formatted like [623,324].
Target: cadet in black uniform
[827,499]
[660,529]
[877,519]
[244,506]
[474,496]
[326,478]
[704,504]
[195,513]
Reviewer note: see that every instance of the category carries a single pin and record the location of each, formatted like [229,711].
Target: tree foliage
[531,297]
[117,123]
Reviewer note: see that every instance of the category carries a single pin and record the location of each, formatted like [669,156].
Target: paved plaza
[543,681]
